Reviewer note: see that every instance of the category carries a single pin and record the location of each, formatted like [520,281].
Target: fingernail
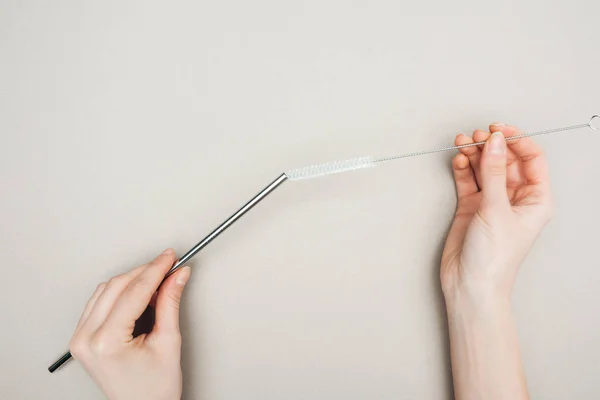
[498,124]
[183,276]
[167,252]
[497,144]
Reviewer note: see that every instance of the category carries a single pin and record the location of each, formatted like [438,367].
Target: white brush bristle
[330,168]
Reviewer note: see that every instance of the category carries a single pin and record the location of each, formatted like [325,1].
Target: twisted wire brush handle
[595,119]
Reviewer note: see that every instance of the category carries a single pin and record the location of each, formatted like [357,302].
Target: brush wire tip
[334,167]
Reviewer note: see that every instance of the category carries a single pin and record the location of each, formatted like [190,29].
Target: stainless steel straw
[187,256]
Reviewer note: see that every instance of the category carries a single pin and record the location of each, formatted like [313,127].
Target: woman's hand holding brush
[504,202]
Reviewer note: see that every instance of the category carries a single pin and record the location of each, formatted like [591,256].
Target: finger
[533,161]
[514,176]
[473,153]
[168,300]
[480,136]
[89,306]
[155,294]
[511,156]
[462,139]
[513,172]
[493,172]
[464,177]
[136,297]
[108,298]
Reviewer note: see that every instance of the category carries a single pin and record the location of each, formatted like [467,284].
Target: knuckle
[464,178]
[529,157]
[100,345]
[163,260]
[78,348]
[116,280]
[136,271]
[103,343]
[138,285]
[175,298]
[497,169]
[101,286]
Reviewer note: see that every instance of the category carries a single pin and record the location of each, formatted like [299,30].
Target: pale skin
[124,367]
[504,202]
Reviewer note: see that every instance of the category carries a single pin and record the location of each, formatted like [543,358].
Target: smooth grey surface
[329,288]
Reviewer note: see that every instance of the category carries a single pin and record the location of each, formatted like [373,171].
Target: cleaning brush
[369,161]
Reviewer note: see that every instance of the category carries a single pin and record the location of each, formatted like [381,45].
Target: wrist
[486,362]
[476,301]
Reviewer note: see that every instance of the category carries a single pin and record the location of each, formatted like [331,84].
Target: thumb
[493,172]
[168,300]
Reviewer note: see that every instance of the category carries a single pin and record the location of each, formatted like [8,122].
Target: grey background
[131,126]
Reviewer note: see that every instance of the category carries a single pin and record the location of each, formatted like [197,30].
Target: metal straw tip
[58,363]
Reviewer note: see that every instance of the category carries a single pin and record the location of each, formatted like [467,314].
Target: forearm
[486,361]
